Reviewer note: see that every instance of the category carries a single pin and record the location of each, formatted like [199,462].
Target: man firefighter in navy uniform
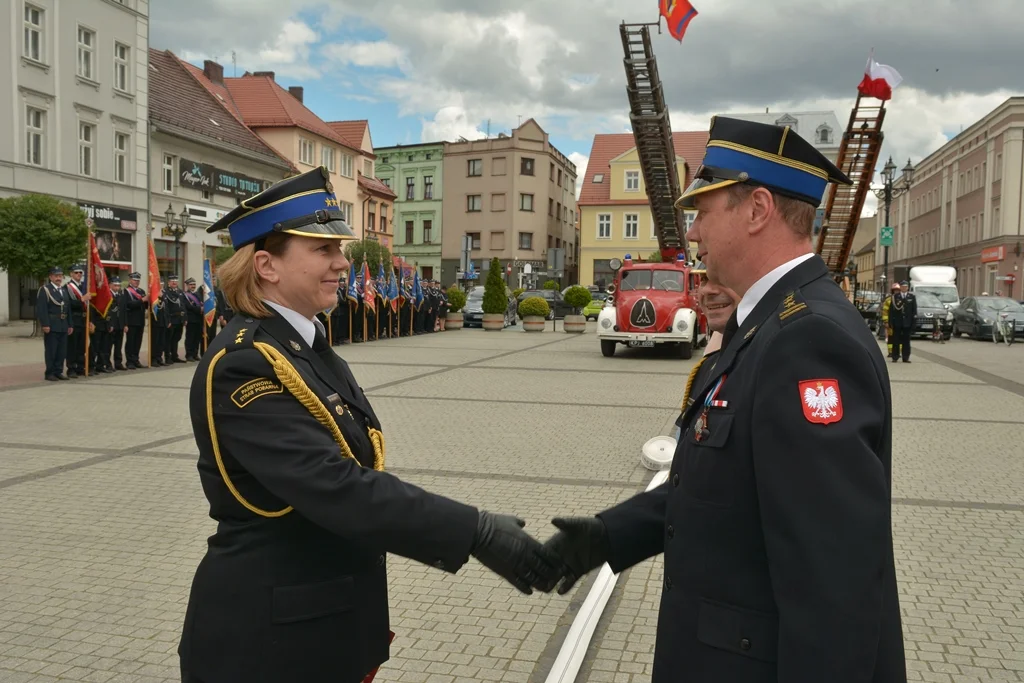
[133,307]
[100,324]
[193,321]
[775,520]
[117,326]
[174,309]
[52,313]
[78,299]
[902,316]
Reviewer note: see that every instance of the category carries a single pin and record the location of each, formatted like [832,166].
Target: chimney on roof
[296,92]
[213,71]
[269,74]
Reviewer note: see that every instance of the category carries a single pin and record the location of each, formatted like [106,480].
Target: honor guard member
[775,519]
[293,586]
[52,313]
[134,305]
[174,310]
[117,326]
[902,316]
[193,320]
[158,328]
[78,298]
[99,338]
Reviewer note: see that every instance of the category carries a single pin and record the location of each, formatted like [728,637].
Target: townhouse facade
[74,124]
[415,173]
[514,196]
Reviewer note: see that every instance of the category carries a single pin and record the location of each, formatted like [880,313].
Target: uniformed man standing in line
[52,313]
[339,316]
[116,326]
[902,315]
[78,299]
[193,321]
[133,306]
[775,522]
[99,339]
[158,329]
[174,309]
[224,312]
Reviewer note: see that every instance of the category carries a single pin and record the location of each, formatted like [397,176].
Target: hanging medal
[700,427]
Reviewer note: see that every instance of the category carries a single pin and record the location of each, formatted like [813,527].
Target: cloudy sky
[423,70]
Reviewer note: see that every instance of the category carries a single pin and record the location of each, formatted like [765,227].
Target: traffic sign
[885,238]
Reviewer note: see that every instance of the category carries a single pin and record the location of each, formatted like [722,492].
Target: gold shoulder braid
[689,381]
[292,381]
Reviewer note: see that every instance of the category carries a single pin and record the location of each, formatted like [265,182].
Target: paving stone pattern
[102,528]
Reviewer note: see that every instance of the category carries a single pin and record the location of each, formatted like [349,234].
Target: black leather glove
[582,546]
[502,546]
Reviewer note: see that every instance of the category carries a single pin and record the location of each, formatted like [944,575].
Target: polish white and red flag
[879,80]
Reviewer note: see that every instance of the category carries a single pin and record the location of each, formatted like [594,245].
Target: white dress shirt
[761,287]
[306,327]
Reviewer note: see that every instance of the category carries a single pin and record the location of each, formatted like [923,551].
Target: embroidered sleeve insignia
[821,401]
[254,389]
[793,306]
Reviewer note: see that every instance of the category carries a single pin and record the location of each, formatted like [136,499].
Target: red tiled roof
[352,131]
[374,186]
[688,145]
[180,99]
[265,104]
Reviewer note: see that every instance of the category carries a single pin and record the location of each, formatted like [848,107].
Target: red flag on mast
[678,14]
[102,297]
[154,276]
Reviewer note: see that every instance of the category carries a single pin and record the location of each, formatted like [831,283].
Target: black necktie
[320,342]
[730,330]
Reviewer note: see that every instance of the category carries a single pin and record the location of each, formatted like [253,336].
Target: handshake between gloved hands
[501,545]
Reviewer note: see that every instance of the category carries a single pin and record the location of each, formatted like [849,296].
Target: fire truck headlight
[681,326]
[606,323]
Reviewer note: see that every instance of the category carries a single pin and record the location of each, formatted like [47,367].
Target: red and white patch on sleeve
[821,401]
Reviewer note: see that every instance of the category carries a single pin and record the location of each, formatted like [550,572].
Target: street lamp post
[887,193]
[177,230]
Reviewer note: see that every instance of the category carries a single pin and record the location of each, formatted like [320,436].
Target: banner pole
[88,303]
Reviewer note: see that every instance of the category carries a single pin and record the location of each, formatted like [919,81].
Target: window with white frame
[35,135]
[121,146]
[86,53]
[86,149]
[525,202]
[33,47]
[122,71]
[307,151]
[473,202]
[168,173]
[632,181]
[630,224]
[604,226]
[327,159]
[346,165]
[368,168]
[347,210]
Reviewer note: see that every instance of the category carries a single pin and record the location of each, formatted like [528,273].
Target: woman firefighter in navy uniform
[293,586]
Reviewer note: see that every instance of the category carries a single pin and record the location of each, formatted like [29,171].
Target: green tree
[551,284]
[577,297]
[369,250]
[655,257]
[495,300]
[38,232]
[222,254]
[456,299]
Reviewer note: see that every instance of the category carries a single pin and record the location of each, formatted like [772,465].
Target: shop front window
[168,260]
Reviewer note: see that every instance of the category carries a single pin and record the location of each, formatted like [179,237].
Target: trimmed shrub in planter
[534,310]
[456,302]
[495,302]
[577,297]
[516,292]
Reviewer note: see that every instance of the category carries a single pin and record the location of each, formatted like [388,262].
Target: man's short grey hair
[798,215]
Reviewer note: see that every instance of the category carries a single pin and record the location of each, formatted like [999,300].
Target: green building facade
[414,173]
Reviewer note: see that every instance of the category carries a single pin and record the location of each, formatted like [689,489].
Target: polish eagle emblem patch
[821,401]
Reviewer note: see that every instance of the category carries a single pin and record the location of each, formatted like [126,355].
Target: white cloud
[581,161]
[450,123]
[376,54]
[286,54]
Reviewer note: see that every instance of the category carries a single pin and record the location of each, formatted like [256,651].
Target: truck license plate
[640,344]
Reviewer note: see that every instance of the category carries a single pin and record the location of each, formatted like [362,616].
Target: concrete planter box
[494,322]
[453,321]
[533,323]
[574,324]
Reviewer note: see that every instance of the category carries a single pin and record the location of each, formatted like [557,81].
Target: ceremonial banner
[678,15]
[102,297]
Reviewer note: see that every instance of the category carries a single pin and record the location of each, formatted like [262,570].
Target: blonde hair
[240,282]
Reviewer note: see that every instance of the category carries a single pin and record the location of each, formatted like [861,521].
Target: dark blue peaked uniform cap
[301,205]
[765,155]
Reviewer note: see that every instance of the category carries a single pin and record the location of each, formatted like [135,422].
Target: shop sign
[196,175]
[109,217]
[237,185]
[993,254]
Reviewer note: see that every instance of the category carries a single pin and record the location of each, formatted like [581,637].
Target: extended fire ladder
[653,135]
[858,154]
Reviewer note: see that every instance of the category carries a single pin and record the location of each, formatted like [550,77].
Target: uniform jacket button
[675,480]
[671,531]
[744,644]
[439,564]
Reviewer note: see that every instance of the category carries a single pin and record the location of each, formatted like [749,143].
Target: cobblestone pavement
[102,526]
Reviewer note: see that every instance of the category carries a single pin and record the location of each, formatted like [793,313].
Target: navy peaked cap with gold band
[301,205]
[765,155]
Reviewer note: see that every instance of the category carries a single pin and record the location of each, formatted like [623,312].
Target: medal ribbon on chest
[700,427]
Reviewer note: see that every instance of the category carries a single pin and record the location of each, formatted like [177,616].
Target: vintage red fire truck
[652,304]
